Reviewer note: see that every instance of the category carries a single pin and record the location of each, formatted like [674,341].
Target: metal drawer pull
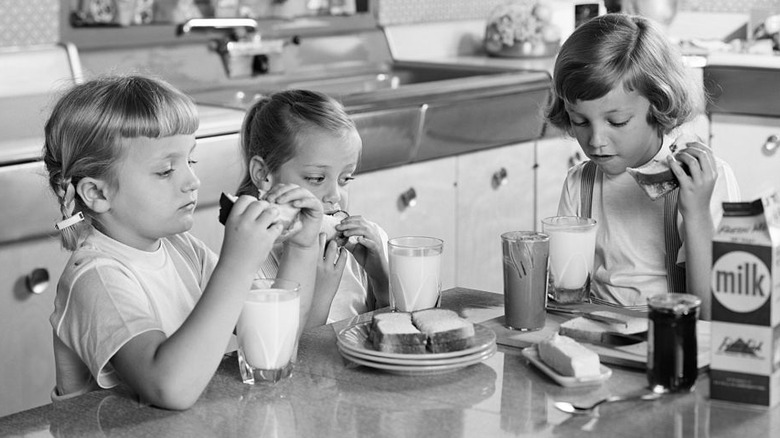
[408,198]
[771,145]
[500,178]
[37,280]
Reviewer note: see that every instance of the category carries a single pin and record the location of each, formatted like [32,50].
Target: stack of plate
[354,344]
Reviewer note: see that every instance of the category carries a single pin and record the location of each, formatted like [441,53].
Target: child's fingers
[704,158]
[277,193]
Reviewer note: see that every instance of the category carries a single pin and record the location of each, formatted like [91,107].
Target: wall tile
[421,11]
[29,22]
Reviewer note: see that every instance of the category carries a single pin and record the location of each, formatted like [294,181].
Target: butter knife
[588,315]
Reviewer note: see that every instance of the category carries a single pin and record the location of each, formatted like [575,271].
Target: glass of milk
[267,331]
[572,249]
[415,272]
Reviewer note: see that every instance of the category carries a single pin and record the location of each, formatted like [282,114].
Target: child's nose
[192,182]
[598,138]
[332,194]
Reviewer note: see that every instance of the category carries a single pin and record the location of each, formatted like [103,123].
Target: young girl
[620,88]
[306,138]
[141,300]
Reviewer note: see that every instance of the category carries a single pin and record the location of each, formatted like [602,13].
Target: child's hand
[330,268]
[698,183]
[310,215]
[250,232]
[365,243]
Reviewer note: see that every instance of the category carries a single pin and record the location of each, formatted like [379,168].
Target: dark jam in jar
[671,342]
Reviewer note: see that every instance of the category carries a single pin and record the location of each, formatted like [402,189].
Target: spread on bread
[433,330]
[568,357]
[586,330]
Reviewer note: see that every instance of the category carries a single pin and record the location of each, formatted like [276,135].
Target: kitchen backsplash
[34,22]
[29,22]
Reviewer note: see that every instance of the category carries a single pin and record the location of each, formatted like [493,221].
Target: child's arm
[330,269]
[694,204]
[301,251]
[172,372]
[369,250]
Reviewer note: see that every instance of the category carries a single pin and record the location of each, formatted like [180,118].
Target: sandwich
[329,222]
[656,177]
[288,215]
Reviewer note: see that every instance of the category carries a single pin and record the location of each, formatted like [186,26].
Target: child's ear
[93,193]
[261,176]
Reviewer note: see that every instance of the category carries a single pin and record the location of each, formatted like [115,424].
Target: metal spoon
[584,410]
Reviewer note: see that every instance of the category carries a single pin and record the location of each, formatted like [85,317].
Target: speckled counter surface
[327,397]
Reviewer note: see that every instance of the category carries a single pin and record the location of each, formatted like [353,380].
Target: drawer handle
[771,145]
[37,280]
[500,178]
[408,198]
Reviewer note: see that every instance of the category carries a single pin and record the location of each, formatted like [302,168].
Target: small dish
[532,354]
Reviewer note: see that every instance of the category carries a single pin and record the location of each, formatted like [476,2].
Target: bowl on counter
[523,29]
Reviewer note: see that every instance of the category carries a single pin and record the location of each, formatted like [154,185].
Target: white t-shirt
[110,292]
[351,299]
[629,264]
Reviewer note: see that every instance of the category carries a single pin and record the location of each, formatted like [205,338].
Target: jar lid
[674,302]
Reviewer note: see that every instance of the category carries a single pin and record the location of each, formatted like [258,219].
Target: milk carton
[745,285]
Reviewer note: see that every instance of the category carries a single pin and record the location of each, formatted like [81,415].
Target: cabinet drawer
[27,359]
[750,145]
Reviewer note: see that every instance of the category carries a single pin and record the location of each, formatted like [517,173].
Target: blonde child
[141,300]
[621,89]
[306,138]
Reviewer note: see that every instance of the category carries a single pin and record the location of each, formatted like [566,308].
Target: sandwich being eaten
[656,177]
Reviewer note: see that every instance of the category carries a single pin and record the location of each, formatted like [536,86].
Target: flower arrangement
[522,28]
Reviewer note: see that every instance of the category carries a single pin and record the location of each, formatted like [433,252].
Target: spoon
[583,410]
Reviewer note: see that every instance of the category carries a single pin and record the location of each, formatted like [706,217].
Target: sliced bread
[395,333]
[586,330]
[568,357]
[446,330]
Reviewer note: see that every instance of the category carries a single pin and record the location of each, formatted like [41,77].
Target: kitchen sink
[412,111]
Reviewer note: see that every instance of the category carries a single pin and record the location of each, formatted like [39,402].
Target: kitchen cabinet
[554,156]
[495,194]
[416,199]
[27,359]
[220,169]
[750,145]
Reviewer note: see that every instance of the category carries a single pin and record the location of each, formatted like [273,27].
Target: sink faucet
[234,25]
[243,51]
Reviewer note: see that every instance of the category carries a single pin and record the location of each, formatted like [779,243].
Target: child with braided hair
[141,300]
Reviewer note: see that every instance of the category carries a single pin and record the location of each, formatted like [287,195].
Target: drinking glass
[572,249]
[267,331]
[525,255]
[415,272]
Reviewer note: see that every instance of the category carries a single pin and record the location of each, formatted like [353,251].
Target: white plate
[532,354]
[355,339]
[420,370]
[416,361]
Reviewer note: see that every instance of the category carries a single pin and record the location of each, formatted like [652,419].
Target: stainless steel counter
[328,397]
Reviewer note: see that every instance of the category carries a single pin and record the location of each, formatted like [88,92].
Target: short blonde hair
[618,49]
[84,131]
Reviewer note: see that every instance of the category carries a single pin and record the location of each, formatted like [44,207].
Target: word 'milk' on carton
[745,285]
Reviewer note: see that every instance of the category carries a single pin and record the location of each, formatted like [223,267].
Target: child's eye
[579,123]
[165,173]
[315,179]
[192,162]
[623,123]
[346,180]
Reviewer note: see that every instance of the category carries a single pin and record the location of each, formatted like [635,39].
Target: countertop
[503,396]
